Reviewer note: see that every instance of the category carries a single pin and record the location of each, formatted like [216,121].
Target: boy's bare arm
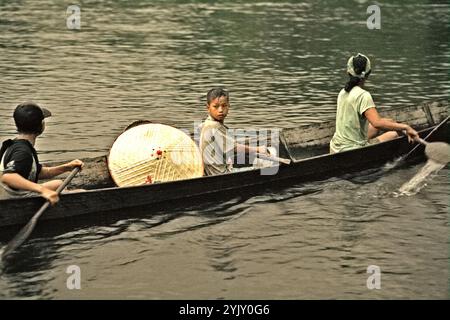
[16,181]
[51,172]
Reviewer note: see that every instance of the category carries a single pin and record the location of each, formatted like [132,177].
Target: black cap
[28,117]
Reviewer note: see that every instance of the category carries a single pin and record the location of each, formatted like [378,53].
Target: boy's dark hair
[216,93]
[28,117]
[359,65]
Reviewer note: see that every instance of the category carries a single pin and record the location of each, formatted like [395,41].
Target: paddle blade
[438,151]
[20,238]
[25,232]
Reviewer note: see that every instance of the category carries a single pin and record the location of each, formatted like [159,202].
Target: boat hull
[19,211]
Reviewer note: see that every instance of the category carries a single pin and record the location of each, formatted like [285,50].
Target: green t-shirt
[351,124]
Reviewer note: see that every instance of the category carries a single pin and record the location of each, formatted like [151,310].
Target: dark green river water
[284,64]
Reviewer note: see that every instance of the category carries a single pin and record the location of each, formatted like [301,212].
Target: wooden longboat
[306,146]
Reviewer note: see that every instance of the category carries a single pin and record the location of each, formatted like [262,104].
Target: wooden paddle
[438,151]
[25,232]
[273,158]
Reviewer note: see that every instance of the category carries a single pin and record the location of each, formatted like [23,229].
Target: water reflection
[28,270]
[284,63]
[286,238]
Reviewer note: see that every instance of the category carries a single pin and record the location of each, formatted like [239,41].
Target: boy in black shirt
[20,169]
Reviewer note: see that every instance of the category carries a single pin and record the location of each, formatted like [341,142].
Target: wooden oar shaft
[25,232]
[58,191]
[428,135]
[68,179]
[273,158]
[419,140]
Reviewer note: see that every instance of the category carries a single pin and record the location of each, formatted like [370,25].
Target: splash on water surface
[419,181]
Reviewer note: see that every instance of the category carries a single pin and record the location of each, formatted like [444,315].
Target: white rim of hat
[351,70]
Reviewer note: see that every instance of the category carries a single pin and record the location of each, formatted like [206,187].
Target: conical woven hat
[153,153]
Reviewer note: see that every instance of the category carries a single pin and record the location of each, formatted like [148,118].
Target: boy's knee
[58,183]
[53,185]
[393,134]
[390,135]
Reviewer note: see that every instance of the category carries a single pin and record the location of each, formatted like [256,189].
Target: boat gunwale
[294,162]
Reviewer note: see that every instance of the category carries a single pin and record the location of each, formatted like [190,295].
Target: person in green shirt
[357,120]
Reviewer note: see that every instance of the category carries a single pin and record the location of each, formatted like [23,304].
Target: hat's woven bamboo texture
[153,153]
